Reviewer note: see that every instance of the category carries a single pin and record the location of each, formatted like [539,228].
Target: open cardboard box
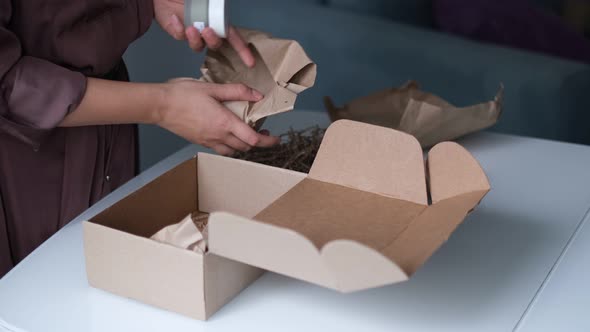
[369,213]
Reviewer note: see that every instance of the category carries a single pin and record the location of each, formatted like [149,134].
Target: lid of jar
[196,13]
[218,20]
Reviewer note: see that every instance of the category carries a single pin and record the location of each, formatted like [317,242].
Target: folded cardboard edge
[374,159]
[390,163]
[289,253]
[224,279]
[457,184]
[117,239]
[221,279]
[133,267]
[267,251]
[250,186]
[145,211]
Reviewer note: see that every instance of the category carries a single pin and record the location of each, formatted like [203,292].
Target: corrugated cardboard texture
[161,203]
[324,212]
[457,185]
[144,270]
[288,252]
[361,219]
[240,187]
[224,279]
[380,160]
[122,260]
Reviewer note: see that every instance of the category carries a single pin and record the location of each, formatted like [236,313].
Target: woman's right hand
[194,111]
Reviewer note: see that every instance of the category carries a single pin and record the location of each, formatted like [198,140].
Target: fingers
[195,41]
[232,144]
[237,144]
[267,141]
[238,44]
[213,41]
[242,137]
[234,92]
[247,135]
[175,28]
[224,150]
[208,37]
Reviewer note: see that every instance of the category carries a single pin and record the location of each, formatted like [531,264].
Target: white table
[524,249]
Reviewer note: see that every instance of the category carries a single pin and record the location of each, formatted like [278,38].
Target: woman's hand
[193,110]
[168,13]
[186,107]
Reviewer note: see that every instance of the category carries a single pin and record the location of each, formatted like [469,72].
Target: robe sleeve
[35,94]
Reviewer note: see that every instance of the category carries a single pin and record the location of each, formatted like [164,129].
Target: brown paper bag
[282,71]
[429,118]
[190,233]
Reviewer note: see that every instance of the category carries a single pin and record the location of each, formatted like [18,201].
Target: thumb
[235,92]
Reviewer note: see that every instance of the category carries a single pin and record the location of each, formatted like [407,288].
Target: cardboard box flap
[342,265]
[361,218]
[457,184]
[373,159]
[453,171]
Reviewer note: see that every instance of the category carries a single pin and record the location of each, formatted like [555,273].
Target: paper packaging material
[423,115]
[282,71]
[123,260]
[120,256]
[190,233]
[361,218]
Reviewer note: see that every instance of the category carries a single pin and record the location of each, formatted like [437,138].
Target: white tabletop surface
[506,268]
[563,303]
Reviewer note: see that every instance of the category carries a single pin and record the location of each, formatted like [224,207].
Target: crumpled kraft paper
[282,71]
[190,233]
[428,117]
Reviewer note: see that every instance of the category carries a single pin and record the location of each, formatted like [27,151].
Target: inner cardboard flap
[160,203]
[361,218]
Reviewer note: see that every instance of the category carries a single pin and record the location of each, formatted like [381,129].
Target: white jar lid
[218,18]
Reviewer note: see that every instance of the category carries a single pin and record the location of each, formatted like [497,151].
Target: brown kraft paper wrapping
[190,233]
[282,71]
[427,117]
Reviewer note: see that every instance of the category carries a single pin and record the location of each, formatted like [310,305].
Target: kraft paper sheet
[190,233]
[428,117]
[283,70]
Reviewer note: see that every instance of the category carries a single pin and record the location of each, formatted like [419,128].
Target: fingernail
[265,132]
[208,31]
[257,94]
[251,63]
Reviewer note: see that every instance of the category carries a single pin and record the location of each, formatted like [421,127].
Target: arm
[36,96]
[186,107]
[111,102]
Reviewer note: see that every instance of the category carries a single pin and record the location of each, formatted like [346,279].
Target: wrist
[159,103]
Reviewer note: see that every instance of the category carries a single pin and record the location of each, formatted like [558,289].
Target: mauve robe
[49,175]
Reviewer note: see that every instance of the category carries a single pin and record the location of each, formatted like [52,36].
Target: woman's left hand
[168,13]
